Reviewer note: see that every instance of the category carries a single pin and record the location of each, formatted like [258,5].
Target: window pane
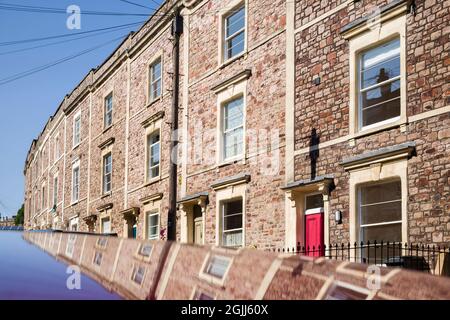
[153,155]
[381,53]
[379,65]
[156,70]
[235,22]
[155,80]
[106,226]
[156,89]
[233,113]
[380,94]
[153,225]
[391,233]
[235,45]
[232,219]
[108,110]
[378,73]
[154,172]
[232,239]
[154,158]
[381,103]
[232,222]
[233,143]
[154,220]
[381,192]
[314,201]
[233,207]
[386,212]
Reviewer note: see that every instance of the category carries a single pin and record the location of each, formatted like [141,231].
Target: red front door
[314,234]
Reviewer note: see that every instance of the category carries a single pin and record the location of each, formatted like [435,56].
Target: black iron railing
[420,257]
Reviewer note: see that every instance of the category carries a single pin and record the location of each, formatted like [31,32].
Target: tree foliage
[19,216]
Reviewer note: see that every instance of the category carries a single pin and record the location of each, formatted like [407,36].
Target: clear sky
[27,103]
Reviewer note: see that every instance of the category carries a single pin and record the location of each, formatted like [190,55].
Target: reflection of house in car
[359,108]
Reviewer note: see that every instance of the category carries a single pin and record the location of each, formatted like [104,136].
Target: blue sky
[27,103]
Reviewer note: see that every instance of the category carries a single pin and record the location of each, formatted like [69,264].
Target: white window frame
[104,174]
[224,14]
[362,40]
[76,138]
[75,197]
[149,146]
[378,85]
[150,128]
[228,194]
[360,226]
[149,214]
[152,81]
[230,130]
[224,96]
[107,112]
[387,171]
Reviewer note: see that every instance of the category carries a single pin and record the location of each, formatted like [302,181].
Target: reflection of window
[232,224]
[98,258]
[234,33]
[138,274]
[70,244]
[379,84]
[153,149]
[342,291]
[145,250]
[102,242]
[200,295]
[107,173]
[153,225]
[380,215]
[233,128]
[108,116]
[217,266]
[155,80]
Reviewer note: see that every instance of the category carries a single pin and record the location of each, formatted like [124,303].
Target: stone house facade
[312,122]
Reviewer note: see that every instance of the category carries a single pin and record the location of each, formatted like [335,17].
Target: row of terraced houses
[299,121]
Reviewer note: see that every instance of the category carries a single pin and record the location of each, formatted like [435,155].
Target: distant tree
[19,217]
